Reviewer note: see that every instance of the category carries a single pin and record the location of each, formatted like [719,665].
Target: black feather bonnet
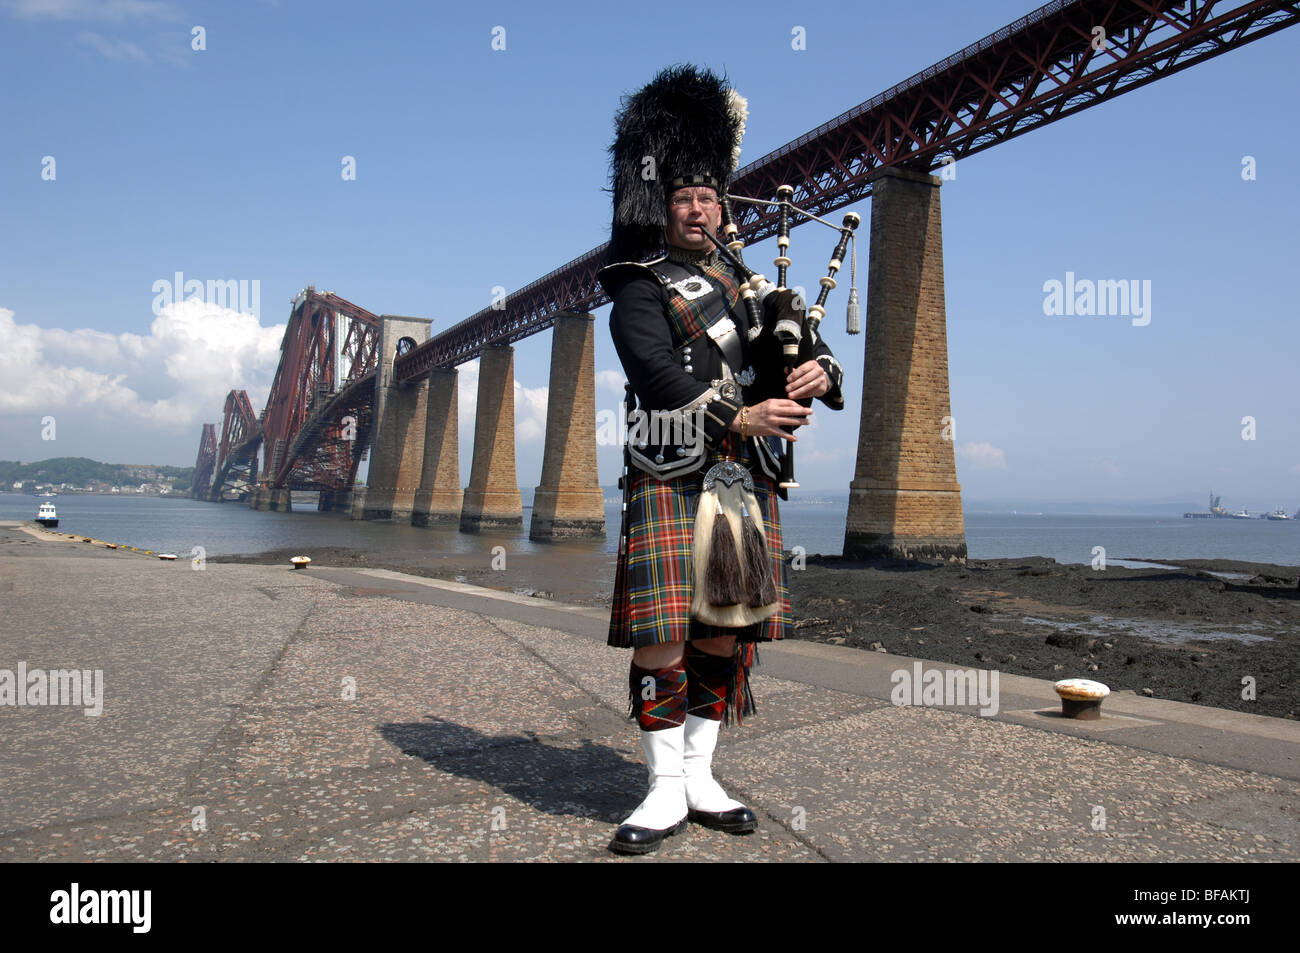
[683,128]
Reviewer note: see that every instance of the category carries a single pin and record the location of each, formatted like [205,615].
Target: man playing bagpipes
[701,576]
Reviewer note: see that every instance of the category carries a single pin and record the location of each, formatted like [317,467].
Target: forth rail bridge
[351,381]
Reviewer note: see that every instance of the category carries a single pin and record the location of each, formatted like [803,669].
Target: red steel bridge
[326,374]
[1059,59]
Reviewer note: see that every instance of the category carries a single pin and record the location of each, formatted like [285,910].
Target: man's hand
[807,380]
[767,419]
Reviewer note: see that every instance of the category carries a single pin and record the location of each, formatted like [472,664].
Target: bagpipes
[733,571]
[789,331]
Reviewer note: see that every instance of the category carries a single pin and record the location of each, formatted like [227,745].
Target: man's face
[691,207]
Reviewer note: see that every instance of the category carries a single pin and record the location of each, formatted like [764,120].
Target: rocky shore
[1209,632]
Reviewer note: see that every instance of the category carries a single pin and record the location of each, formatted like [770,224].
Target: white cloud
[119,50]
[982,456]
[173,379]
[530,412]
[1109,467]
[530,407]
[466,399]
[807,456]
[116,10]
[611,381]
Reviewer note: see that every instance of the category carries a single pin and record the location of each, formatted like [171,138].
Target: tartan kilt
[652,581]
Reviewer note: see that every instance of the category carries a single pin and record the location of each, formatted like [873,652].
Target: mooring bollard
[1081,698]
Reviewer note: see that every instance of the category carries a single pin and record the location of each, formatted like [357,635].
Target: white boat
[1277,514]
[46,515]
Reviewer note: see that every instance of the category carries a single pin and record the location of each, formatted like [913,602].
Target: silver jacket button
[688,369]
[659,458]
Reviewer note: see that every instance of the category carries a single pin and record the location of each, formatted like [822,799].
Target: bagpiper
[700,578]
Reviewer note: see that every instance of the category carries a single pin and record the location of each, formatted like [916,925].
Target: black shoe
[630,839]
[741,820]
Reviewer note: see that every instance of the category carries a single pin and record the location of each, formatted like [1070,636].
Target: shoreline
[1182,634]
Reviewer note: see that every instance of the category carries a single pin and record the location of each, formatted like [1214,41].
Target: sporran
[733,584]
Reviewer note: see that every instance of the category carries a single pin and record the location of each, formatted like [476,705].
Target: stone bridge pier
[904,501]
[569,502]
[397,453]
[492,500]
[439,496]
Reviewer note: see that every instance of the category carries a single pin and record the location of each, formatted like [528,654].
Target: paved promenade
[254,713]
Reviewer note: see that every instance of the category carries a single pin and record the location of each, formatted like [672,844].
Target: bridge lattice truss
[236,459]
[326,374]
[1043,67]
[205,464]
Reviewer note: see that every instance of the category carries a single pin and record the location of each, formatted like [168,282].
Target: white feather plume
[738,107]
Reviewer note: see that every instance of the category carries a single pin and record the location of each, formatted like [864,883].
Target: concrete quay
[254,713]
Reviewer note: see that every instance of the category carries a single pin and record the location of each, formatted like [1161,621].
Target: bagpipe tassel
[853,316]
[853,320]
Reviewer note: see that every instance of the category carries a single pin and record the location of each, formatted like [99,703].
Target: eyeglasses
[706,200]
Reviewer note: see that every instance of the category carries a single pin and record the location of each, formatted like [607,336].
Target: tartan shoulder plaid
[687,318]
[652,581]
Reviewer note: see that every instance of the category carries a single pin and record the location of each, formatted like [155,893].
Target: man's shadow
[587,780]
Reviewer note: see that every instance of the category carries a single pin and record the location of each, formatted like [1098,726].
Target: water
[1153,630]
[178,525]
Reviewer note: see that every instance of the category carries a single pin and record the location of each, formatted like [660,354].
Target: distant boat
[46,515]
[1277,514]
[1241,514]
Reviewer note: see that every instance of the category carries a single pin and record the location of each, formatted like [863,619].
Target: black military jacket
[671,337]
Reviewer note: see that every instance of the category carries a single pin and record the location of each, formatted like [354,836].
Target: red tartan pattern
[666,706]
[686,319]
[652,581]
[708,678]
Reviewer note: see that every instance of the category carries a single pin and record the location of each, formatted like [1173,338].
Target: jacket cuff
[715,407]
[833,398]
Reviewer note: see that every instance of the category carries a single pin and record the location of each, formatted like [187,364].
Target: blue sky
[478,167]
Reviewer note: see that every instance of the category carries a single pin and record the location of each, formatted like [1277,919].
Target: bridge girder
[330,348]
[1039,69]
[205,463]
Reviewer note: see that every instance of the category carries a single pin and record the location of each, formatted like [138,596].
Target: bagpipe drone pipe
[789,327]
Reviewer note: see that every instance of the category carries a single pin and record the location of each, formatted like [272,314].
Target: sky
[478,136]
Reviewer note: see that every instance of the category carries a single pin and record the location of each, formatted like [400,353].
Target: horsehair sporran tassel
[759,586]
[715,559]
[723,570]
[720,593]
